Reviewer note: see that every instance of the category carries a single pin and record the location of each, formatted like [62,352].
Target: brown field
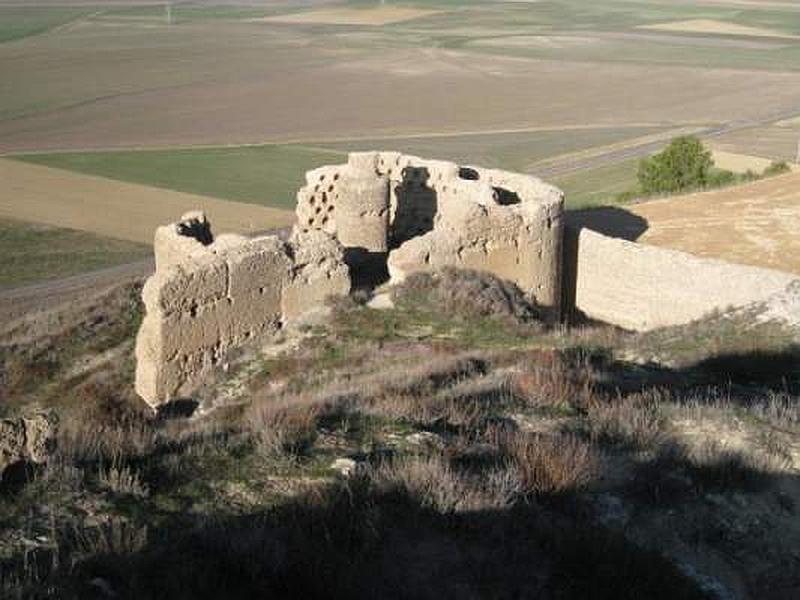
[770,141]
[115,209]
[378,15]
[716,27]
[754,224]
[93,86]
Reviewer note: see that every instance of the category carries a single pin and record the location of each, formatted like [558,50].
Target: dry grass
[285,426]
[122,479]
[434,485]
[465,294]
[551,466]
[635,421]
[708,224]
[552,379]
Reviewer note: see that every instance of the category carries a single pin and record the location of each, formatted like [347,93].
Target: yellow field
[741,163]
[379,15]
[716,27]
[753,224]
[115,209]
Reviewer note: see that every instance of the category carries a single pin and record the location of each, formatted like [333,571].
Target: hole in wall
[468,174]
[505,197]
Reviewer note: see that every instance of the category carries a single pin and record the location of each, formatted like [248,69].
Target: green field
[34,253]
[271,174]
[267,175]
[598,187]
[20,22]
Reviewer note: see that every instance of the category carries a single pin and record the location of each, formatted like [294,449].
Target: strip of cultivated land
[116,209]
[754,224]
[34,252]
[551,65]
[268,175]
[271,174]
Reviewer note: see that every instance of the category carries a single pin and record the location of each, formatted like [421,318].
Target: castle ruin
[381,211]
[384,215]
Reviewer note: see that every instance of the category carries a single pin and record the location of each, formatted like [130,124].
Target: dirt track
[755,224]
[116,209]
[16,302]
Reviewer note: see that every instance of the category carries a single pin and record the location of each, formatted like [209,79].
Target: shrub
[683,165]
[552,379]
[122,479]
[465,294]
[720,178]
[550,465]
[284,427]
[433,484]
[636,421]
[777,168]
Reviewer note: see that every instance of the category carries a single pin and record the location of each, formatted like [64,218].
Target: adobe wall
[429,213]
[641,287]
[210,295]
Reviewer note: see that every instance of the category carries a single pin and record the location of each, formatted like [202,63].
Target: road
[16,302]
[645,149]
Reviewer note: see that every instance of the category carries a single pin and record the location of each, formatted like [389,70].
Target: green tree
[684,164]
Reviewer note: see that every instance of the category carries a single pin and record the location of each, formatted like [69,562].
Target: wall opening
[505,197]
[417,204]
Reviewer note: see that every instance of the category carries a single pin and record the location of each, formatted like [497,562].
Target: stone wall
[430,213]
[208,296]
[642,287]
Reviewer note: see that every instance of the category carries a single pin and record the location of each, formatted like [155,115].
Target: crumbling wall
[441,214]
[641,287]
[208,296]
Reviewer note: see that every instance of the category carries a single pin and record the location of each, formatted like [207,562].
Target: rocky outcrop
[26,439]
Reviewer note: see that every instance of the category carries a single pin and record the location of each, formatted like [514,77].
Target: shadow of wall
[416,206]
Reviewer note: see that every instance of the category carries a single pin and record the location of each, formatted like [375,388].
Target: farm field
[772,141]
[271,174]
[267,175]
[94,84]
[115,209]
[33,252]
[754,224]
[599,186]
[229,101]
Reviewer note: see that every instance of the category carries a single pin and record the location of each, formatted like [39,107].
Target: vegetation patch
[33,253]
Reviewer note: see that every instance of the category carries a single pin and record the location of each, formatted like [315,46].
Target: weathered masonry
[403,214]
[209,295]
[424,214]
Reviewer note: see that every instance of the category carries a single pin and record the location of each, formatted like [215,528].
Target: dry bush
[549,378]
[635,421]
[779,409]
[432,483]
[116,536]
[284,427]
[465,294]
[107,399]
[712,467]
[550,465]
[431,376]
[122,479]
[80,441]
